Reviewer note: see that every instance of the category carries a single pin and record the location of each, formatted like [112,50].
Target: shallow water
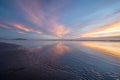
[59,60]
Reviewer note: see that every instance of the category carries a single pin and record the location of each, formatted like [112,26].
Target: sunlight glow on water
[111,48]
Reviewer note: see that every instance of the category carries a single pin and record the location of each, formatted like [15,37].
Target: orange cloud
[105,31]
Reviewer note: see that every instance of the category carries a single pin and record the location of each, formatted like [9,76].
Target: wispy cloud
[17,27]
[105,31]
[101,26]
[4,26]
[60,18]
[24,28]
[48,23]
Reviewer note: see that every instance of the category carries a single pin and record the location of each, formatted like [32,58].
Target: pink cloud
[24,28]
[34,13]
[20,28]
[4,26]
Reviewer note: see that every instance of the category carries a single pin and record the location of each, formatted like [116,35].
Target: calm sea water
[59,60]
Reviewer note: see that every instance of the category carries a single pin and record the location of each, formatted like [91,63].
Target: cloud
[59,30]
[17,27]
[99,25]
[47,23]
[104,31]
[24,28]
[56,28]
[4,26]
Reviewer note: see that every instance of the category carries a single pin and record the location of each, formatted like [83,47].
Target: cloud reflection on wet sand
[110,48]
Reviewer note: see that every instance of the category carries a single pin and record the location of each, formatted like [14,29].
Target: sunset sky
[54,19]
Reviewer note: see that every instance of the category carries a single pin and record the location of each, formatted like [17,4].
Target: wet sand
[57,61]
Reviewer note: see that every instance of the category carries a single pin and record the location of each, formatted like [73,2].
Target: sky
[56,19]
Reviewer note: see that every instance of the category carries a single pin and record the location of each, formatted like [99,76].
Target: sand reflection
[37,48]
[110,48]
[58,48]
